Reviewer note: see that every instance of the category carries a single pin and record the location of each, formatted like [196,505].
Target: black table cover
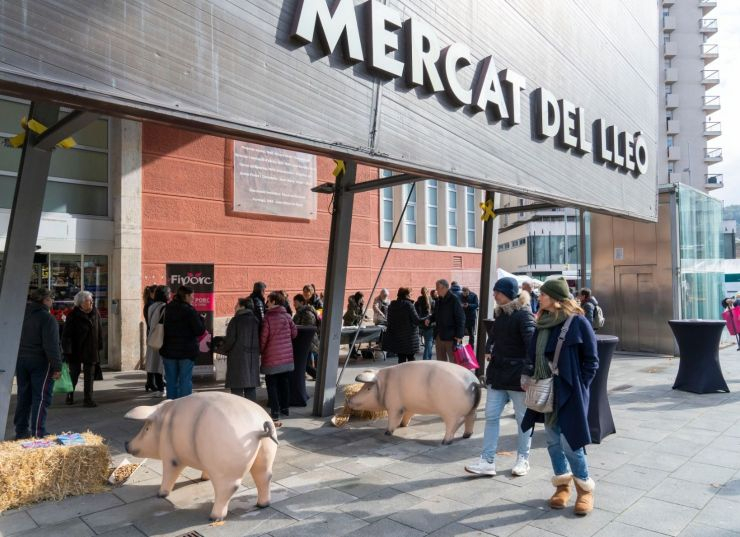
[600,420]
[699,370]
[301,349]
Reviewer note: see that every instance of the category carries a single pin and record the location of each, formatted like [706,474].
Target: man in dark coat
[450,319]
[257,299]
[402,335]
[82,341]
[470,306]
[39,365]
[241,345]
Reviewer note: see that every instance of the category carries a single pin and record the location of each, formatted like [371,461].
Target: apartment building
[688,79]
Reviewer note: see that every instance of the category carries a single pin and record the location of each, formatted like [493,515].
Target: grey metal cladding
[231,67]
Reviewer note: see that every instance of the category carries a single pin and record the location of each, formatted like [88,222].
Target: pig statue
[427,387]
[222,435]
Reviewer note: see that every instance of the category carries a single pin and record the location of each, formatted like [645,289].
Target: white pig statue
[222,435]
[426,387]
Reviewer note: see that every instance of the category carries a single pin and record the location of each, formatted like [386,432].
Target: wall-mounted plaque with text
[274,181]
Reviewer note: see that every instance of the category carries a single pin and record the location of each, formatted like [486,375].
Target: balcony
[708,26]
[710,77]
[712,129]
[669,24]
[670,49]
[713,155]
[671,75]
[713,181]
[709,52]
[671,101]
[711,103]
[674,153]
[674,127]
[705,5]
[669,3]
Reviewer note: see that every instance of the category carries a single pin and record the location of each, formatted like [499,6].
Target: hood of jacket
[519,303]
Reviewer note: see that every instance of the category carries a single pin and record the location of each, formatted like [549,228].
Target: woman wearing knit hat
[509,341]
[566,427]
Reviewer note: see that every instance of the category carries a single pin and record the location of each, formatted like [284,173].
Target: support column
[487,280]
[582,246]
[20,246]
[126,281]
[336,281]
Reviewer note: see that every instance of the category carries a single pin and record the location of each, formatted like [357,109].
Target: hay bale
[342,418]
[52,473]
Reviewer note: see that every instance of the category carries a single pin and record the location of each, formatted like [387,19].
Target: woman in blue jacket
[566,428]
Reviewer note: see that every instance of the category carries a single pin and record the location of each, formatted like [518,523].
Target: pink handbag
[732,318]
[465,356]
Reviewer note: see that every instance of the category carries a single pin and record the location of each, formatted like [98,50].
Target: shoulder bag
[540,393]
[155,339]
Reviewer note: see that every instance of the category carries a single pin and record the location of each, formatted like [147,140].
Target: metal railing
[711,100]
[709,49]
[708,24]
[714,178]
[712,126]
[709,75]
[713,152]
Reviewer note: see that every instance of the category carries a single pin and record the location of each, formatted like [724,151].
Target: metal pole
[20,246]
[582,246]
[487,280]
[336,280]
[377,280]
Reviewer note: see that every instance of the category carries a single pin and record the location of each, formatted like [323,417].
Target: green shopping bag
[64,383]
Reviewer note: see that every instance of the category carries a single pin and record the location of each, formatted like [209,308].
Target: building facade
[689,139]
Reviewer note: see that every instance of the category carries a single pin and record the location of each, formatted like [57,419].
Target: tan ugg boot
[585,498]
[562,491]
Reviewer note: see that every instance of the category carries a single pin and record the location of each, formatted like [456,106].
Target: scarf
[545,323]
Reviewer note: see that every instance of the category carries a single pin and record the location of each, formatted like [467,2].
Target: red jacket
[276,341]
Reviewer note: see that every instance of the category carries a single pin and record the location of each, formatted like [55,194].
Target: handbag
[465,357]
[732,318]
[64,383]
[155,339]
[540,393]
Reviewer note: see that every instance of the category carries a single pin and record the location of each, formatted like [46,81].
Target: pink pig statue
[427,387]
[222,435]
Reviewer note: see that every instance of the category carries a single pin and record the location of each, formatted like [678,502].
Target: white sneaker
[482,467]
[521,467]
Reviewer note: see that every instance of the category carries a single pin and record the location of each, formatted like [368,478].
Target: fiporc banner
[200,278]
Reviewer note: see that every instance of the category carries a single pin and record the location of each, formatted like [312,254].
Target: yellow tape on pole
[487,208]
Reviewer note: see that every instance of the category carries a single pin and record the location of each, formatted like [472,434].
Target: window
[78,177]
[452,214]
[521,204]
[409,192]
[470,216]
[432,212]
[669,140]
[386,196]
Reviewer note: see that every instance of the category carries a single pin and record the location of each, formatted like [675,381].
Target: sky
[727,14]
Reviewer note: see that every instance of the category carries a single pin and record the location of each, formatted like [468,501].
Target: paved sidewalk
[673,468]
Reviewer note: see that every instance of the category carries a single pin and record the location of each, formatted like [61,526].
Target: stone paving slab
[673,468]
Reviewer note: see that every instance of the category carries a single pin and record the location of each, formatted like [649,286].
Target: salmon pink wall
[187,217]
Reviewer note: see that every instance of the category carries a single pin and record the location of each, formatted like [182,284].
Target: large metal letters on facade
[552,100]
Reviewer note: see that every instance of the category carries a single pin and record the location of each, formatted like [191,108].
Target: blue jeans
[495,403]
[428,337]
[179,375]
[35,387]
[564,459]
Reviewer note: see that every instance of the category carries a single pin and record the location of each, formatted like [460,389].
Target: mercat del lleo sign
[425,63]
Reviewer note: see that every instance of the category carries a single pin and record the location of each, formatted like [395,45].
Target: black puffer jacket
[182,327]
[402,335]
[450,318]
[508,343]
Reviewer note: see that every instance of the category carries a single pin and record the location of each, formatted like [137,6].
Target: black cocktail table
[600,420]
[699,370]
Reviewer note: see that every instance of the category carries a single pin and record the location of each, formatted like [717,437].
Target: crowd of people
[521,344]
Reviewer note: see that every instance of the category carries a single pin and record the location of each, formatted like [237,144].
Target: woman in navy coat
[566,427]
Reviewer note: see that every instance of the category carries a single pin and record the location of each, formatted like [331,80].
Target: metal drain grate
[191,534]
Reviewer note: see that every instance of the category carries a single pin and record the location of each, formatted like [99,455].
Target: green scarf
[545,323]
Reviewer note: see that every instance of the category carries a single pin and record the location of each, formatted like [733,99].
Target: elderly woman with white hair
[82,341]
